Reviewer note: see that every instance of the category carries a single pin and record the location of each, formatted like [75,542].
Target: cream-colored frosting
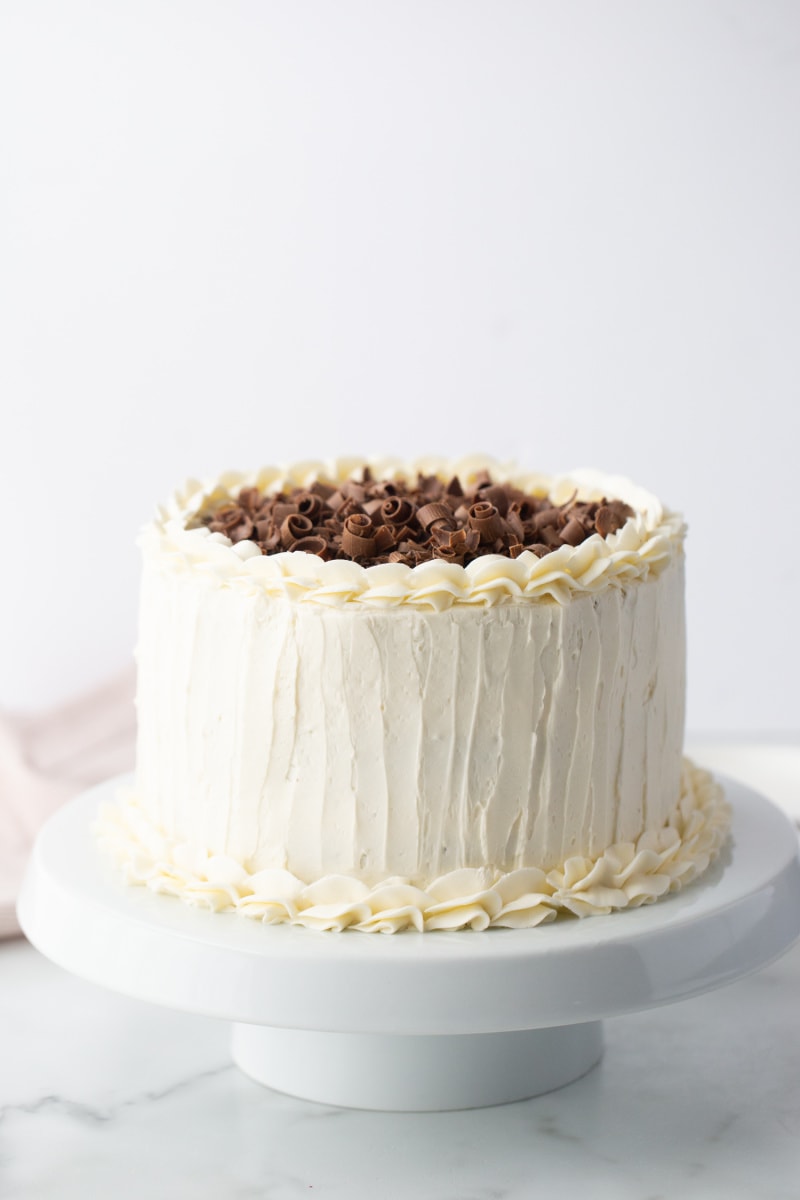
[625,875]
[403,741]
[321,721]
[643,547]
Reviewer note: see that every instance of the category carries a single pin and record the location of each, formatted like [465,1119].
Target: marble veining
[103,1095]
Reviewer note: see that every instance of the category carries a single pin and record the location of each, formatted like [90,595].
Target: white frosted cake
[439,695]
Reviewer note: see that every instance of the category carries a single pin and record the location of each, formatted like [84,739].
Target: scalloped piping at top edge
[644,545]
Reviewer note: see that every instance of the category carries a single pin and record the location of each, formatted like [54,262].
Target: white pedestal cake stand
[414,1021]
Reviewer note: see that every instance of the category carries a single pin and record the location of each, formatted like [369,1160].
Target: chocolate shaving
[250,498]
[412,521]
[384,538]
[486,521]
[449,554]
[498,496]
[397,511]
[372,507]
[323,490]
[309,505]
[610,518]
[573,532]
[514,523]
[313,545]
[433,514]
[357,539]
[294,528]
[545,517]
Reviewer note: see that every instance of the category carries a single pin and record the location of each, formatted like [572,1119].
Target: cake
[441,695]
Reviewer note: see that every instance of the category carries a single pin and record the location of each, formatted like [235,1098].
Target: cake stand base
[420,1021]
[407,1073]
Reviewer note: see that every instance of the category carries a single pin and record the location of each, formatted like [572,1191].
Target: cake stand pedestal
[414,1021]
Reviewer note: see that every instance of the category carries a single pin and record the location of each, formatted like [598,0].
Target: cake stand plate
[414,1021]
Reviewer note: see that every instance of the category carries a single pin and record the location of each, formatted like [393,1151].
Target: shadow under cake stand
[414,1021]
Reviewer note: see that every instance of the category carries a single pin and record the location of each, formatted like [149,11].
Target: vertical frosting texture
[405,742]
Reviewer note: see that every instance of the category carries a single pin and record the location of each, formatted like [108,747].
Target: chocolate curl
[321,489]
[539,551]
[449,554]
[573,533]
[514,523]
[348,507]
[282,509]
[404,533]
[584,514]
[454,487]
[432,514]
[551,537]
[309,506]
[515,549]
[373,507]
[611,517]
[293,528]
[234,522]
[384,539]
[226,517]
[396,511]
[440,534]
[263,528]
[353,491]
[524,508]
[250,498]
[242,531]
[429,485]
[313,545]
[357,536]
[271,544]
[466,541]
[486,521]
[545,517]
[496,495]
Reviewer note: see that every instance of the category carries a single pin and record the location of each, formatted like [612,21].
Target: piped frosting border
[646,543]
[626,875]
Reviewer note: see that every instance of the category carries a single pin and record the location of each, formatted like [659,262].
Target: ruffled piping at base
[626,875]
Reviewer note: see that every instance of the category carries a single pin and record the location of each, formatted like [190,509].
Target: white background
[234,233]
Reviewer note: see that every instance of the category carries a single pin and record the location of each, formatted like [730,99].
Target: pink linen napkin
[46,759]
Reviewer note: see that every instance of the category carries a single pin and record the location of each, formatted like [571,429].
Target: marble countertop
[101,1095]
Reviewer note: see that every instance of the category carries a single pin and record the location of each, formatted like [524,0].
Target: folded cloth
[48,758]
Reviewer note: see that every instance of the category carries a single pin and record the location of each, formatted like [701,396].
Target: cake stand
[414,1021]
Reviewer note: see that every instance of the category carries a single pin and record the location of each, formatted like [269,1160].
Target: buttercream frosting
[642,547]
[626,875]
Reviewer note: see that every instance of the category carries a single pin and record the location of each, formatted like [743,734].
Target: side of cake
[370,703]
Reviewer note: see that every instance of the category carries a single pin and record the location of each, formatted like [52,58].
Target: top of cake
[430,534]
[411,521]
